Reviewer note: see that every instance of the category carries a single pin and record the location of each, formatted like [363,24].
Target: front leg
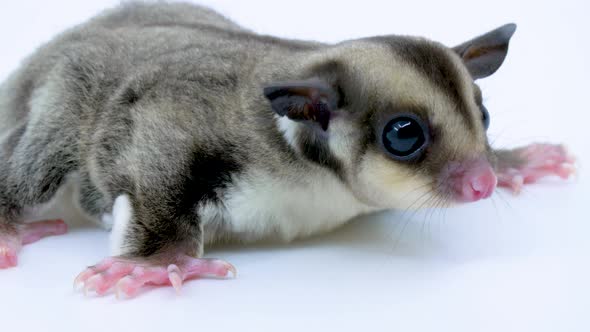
[529,164]
[151,247]
[159,173]
[129,274]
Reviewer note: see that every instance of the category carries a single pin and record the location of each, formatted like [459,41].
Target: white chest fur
[261,206]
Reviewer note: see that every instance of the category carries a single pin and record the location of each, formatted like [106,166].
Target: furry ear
[310,100]
[483,55]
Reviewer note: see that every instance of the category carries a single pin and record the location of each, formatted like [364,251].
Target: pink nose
[476,182]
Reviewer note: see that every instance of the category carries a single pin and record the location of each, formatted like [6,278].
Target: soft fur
[162,106]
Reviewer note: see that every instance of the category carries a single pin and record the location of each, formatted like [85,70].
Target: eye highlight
[405,137]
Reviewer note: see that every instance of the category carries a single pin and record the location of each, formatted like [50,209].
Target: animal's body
[181,129]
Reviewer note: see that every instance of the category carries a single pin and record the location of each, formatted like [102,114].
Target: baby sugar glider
[184,129]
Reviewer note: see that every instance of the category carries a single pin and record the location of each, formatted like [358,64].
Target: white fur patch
[121,216]
[289,129]
[261,206]
[386,184]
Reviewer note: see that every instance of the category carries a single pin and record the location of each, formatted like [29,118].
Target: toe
[516,184]
[209,267]
[8,258]
[140,277]
[175,277]
[566,170]
[83,276]
[541,160]
[126,287]
[92,271]
[103,282]
[9,248]
[128,276]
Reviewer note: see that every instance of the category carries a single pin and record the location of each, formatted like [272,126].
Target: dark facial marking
[316,149]
[436,65]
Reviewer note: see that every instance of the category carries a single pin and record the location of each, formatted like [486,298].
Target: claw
[88,288]
[567,170]
[517,183]
[570,158]
[232,269]
[128,276]
[123,288]
[82,277]
[174,275]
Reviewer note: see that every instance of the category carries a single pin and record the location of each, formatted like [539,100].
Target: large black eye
[485,117]
[405,137]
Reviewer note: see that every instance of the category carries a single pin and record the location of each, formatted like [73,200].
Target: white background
[506,264]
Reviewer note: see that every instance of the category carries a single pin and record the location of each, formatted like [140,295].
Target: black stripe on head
[436,65]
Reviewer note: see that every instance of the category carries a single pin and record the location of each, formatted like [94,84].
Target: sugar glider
[184,129]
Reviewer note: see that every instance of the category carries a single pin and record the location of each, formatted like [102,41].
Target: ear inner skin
[485,54]
[310,100]
[469,181]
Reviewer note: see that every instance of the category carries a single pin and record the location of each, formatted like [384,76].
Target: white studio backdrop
[506,264]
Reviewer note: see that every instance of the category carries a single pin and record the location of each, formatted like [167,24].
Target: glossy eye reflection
[405,137]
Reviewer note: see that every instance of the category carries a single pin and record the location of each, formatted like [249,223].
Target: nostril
[476,183]
[478,186]
[484,184]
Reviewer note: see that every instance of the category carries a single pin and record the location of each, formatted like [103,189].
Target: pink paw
[540,160]
[9,248]
[129,276]
[28,233]
[33,232]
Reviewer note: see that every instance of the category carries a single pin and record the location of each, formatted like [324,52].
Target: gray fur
[164,103]
[483,55]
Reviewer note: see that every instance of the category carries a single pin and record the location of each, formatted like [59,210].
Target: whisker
[496,208]
[500,194]
[406,210]
[441,210]
[407,220]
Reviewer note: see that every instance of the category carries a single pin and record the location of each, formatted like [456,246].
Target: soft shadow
[391,234]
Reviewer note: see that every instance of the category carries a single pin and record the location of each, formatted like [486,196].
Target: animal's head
[397,118]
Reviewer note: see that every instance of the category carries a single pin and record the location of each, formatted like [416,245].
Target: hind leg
[13,233]
[12,239]
[150,248]
[157,236]
[32,168]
